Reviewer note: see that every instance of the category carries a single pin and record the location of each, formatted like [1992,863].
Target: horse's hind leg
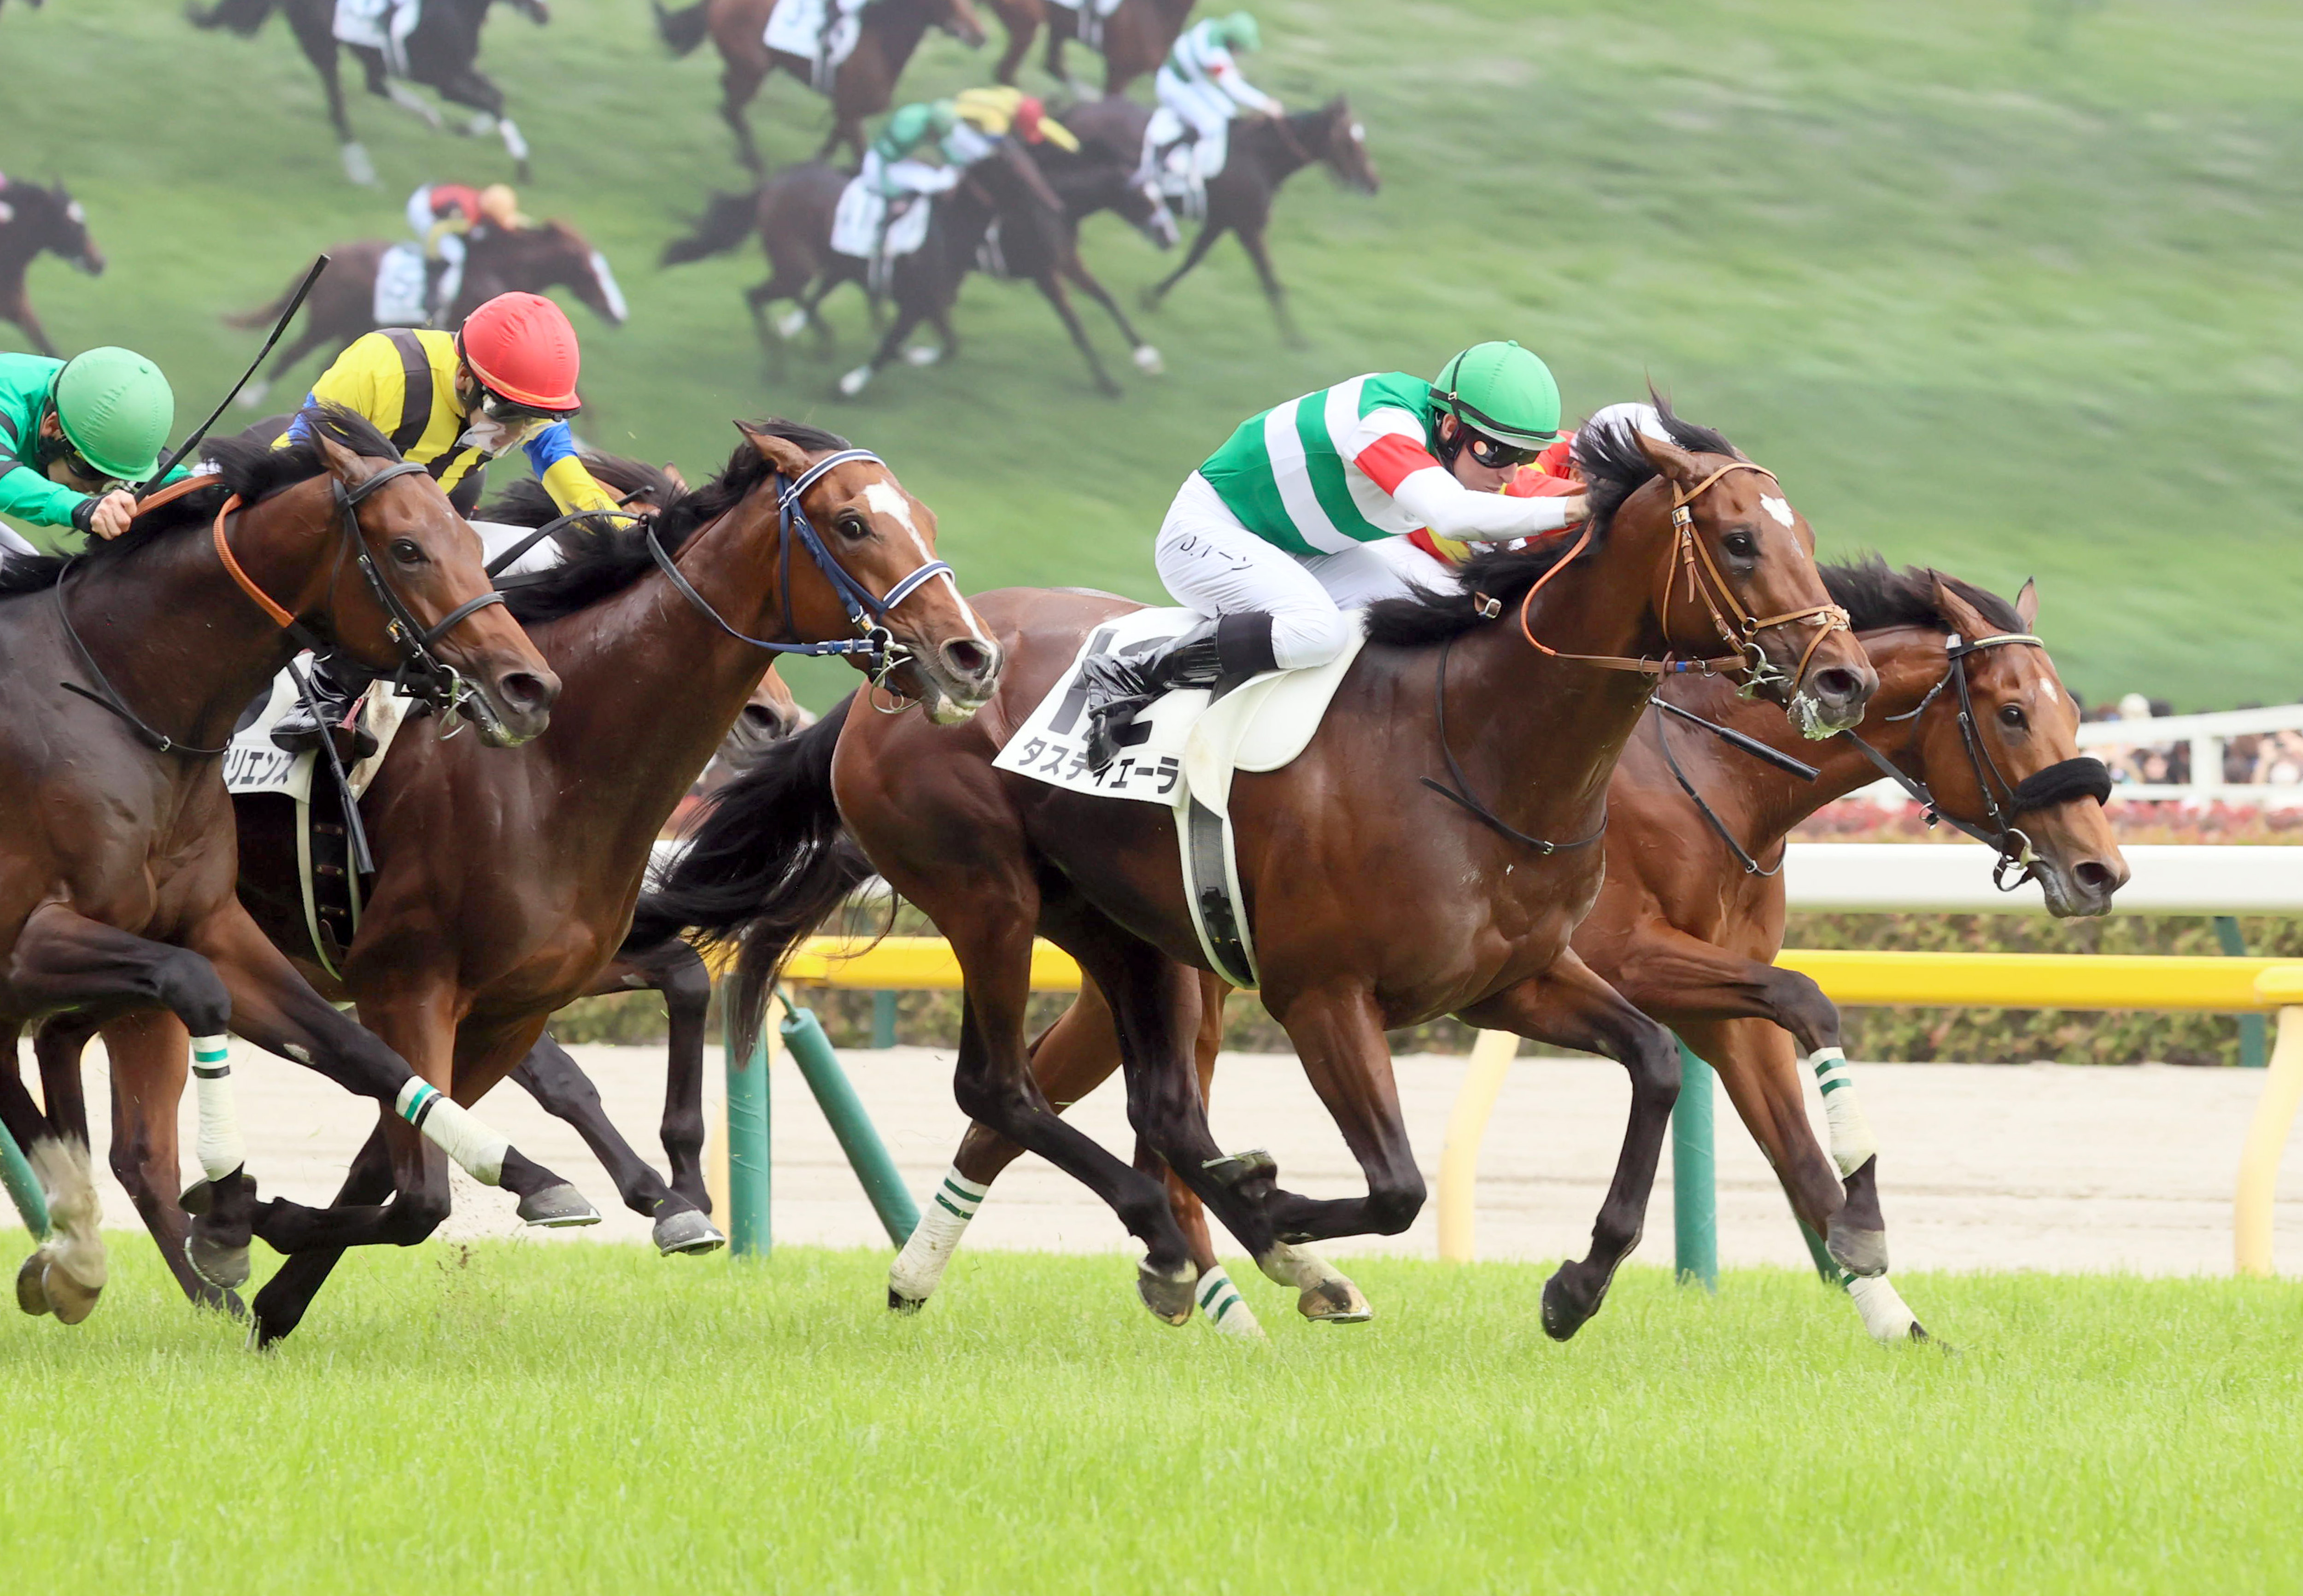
[1209,232]
[468,86]
[150,1055]
[1052,288]
[739,82]
[567,1093]
[1570,1006]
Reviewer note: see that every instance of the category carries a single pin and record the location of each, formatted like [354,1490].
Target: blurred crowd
[2270,758]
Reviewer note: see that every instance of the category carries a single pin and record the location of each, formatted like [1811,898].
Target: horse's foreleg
[150,1055]
[1023,21]
[1052,288]
[1570,1006]
[21,313]
[1147,359]
[1251,238]
[908,317]
[686,984]
[559,1086]
[1210,230]
[739,81]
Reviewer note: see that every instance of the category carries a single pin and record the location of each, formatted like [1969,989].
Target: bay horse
[1373,902]
[504,885]
[1691,916]
[1133,40]
[130,666]
[342,304]
[34,220]
[1266,151]
[865,85]
[442,52]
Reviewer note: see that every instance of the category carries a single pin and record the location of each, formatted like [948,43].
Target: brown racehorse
[342,304]
[504,886]
[33,220]
[1373,902]
[130,666]
[1133,40]
[1691,916]
[865,85]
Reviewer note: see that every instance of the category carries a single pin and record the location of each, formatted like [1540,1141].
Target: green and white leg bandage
[1851,1142]
[1224,1309]
[453,1130]
[919,1268]
[218,1143]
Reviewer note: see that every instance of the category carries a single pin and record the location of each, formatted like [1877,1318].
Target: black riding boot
[336,684]
[1218,654]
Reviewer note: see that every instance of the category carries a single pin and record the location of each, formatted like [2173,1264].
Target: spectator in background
[2240,755]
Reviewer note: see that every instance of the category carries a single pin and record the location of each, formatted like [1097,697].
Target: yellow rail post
[1467,1126]
[2266,1133]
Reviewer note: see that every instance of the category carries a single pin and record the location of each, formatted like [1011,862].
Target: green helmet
[1503,391]
[1238,31]
[115,408]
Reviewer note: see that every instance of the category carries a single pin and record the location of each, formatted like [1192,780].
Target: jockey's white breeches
[1207,110]
[1215,565]
[892,179]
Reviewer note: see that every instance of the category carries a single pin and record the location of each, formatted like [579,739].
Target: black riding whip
[295,303]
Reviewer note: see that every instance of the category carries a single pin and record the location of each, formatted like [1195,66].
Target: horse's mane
[253,469]
[604,560]
[1614,468]
[1875,595]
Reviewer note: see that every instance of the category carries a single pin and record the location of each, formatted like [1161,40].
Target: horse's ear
[347,466]
[672,475]
[1671,460]
[782,453]
[1963,617]
[2027,605]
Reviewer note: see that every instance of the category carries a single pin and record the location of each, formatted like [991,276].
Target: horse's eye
[1742,544]
[2010,715]
[853,525]
[404,550]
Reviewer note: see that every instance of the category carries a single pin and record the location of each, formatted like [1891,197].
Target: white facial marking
[1778,508]
[2047,689]
[74,214]
[887,499]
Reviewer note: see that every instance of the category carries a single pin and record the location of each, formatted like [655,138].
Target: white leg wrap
[515,145]
[1851,1142]
[1883,1310]
[218,1144]
[453,1130]
[1221,1305]
[919,1268]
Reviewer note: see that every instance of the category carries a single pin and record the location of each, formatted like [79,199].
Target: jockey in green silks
[71,434]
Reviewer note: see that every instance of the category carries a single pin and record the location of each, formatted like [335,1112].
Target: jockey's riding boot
[1217,654]
[336,686]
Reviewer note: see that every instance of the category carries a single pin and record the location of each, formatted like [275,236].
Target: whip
[295,303]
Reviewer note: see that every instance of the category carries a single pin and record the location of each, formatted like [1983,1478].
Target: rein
[1460,792]
[2082,776]
[1752,746]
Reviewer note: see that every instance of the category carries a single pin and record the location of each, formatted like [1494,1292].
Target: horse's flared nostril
[968,660]
[1836,684]
[760,720]
[2097,879]
[525,693]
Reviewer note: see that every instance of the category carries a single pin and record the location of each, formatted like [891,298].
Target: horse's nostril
[524,692]
[2094,875]
[967,659]
[1837,683]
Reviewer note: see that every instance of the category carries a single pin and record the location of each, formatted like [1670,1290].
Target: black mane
[1875,595]
[606,555]
[251,467]
[1614,468]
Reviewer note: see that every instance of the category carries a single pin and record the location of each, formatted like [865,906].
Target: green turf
[2008,288]
[583,1418]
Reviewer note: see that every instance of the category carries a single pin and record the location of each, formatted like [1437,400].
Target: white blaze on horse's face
[1780,510]
[887,499]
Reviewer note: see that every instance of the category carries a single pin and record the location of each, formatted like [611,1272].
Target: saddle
[823,32]
[1183,752]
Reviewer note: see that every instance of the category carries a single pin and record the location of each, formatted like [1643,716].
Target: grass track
[586,1418]
[2008,288]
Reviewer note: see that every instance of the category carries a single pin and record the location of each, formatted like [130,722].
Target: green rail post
[749,1235]
[883,1019]
[868,1156]
[1827,1267]
[1694,1185]
[23,1187]
[2254,1034]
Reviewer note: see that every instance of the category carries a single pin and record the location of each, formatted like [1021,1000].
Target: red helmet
[520,346]
[1028,113]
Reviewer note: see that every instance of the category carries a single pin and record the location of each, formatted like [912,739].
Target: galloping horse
[441,53]
[342,305]
[865,84]
[33,219]
[1134,40]
[1691,918]
[504,884]
[128,667]
[1372,902]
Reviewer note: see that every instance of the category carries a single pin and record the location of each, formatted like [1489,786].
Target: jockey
[889,169]
[442,215]
[1200,83]
[1304,512]
[72,435]
[987,116]
[451,402]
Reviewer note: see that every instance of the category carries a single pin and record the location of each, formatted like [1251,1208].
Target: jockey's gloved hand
[105,515]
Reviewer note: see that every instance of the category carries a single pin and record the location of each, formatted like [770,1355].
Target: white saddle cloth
[822,31]
[1103,8]
[1191,749]
[379,25]
[252,763]
[400,288]
[856,224]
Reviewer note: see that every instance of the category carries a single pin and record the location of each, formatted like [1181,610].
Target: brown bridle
[1738,628]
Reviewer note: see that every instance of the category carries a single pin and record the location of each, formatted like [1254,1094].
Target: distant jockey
[1201,86]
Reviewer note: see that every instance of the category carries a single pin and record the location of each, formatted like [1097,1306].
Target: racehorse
[503,886]
[33,219]
[863,85]
[1133,40]
[441,54]
[130,664]
[1265,152]
[1691,918]
[497,261]
[1372,902]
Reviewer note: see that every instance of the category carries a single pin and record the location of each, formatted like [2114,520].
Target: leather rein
[422,673]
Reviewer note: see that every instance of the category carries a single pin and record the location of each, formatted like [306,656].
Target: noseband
[2083,776]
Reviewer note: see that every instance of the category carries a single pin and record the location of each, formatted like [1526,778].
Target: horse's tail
[683,30]
[726,221]
[769,861]
[264,315]
[244,17]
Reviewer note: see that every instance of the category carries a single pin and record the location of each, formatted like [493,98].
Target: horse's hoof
[69,1299]
[1169,1296]
[686,1231]
[851,384]
[1562,1315]
[790,324]
[898,1302]
[223,1267]
[922,354]
[557,1208]
[1148,360]
[357,166]
[1334,1301]
[1233,1168]
[32,1287]
[1860,1253]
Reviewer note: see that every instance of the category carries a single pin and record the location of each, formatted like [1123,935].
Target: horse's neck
[19,244]
[1761,804]
[1287,150]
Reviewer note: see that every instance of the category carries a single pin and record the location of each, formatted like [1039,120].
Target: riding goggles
[510,413]
[1494,454]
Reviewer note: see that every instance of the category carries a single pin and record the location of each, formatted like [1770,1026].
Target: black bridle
[1749,745]
[2004,802]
